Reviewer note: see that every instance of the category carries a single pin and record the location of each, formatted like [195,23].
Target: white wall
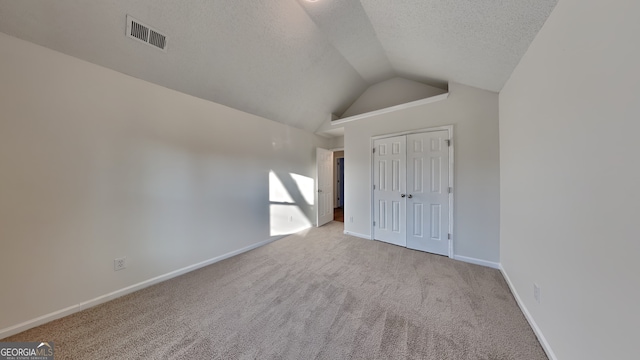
[394,91]
[570,176]
[96,165]
[474,114]
[337,142]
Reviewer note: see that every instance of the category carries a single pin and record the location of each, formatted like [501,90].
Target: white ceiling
[291,61]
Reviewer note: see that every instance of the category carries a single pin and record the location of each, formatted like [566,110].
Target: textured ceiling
[291,61]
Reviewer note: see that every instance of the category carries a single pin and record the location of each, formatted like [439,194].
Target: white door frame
[449,129]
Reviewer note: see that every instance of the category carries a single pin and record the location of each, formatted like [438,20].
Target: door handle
[403,195]
[319,190]
[409,196]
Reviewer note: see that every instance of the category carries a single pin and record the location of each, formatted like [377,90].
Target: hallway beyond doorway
[338,214]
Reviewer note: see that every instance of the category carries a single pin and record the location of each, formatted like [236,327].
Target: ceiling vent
[138,30]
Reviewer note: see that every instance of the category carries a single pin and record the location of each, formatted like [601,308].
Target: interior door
[324,191]
[389,182]
[428,192]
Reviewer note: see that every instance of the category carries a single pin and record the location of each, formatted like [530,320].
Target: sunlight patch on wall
[287,219]
[306,185]
[277,191]
[285,198]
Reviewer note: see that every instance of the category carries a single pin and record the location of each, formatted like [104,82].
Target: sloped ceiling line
[291,61]
[348,28]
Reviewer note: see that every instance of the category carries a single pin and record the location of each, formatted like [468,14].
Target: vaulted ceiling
[292,61]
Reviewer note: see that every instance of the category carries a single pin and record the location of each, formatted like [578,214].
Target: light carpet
[318,294]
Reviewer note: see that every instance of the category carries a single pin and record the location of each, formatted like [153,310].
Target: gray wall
[474,114]
[570,179]
[96,165]
[394,91]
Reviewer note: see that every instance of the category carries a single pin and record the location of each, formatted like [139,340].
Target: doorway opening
[338,207]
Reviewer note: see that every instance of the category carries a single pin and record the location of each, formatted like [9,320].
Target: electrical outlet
[119,263]
[536,292]
[350,219]
[290,218]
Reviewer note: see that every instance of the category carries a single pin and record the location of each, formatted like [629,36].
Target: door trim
[449,129]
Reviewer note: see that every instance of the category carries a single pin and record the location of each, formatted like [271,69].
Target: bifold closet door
[389,181]
[428,192]
[411,191]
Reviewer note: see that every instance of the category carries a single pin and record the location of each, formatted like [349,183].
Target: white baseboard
[12,330]
[545,345]
[368,237]
[471,260]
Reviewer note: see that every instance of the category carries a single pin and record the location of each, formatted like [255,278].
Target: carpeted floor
[316,295]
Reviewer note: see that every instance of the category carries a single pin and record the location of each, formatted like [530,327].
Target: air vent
[138,30]
[157,39]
